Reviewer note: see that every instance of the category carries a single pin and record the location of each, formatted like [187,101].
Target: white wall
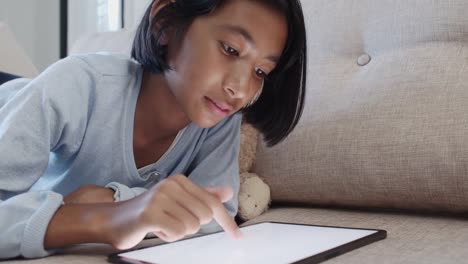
[35,25]
[134,11]
[89,16]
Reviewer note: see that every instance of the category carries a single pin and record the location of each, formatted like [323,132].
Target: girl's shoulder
[76,82]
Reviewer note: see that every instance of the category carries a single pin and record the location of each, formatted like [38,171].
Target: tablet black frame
[331,253]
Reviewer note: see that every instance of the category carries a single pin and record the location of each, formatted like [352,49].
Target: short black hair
[279,108]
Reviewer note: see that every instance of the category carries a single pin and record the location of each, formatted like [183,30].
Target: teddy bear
[254,193]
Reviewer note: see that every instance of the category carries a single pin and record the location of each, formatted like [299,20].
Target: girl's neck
[158,116]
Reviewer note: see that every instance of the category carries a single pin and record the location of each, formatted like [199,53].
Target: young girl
[100,148]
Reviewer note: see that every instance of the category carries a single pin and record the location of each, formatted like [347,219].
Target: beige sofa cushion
[386,116]
[411,239]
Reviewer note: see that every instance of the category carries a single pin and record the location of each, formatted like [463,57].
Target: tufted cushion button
[363,60]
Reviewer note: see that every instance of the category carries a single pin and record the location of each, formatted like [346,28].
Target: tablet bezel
[325,255]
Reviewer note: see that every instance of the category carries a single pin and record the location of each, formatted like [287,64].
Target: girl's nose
[236,83]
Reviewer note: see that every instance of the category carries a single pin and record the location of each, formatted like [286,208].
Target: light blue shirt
[73,125]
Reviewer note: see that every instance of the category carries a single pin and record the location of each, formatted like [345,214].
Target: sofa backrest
[386,116]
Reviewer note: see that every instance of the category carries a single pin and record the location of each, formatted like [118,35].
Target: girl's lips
[217,109]
[222,105]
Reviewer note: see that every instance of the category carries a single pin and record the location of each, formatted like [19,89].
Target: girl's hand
[89,194]
[172,209]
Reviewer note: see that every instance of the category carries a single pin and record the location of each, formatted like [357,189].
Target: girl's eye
[260,73]
[230,50]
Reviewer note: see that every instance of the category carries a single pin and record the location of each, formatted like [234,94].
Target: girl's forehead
[254,20]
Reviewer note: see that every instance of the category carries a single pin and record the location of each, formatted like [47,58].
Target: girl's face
[220,64]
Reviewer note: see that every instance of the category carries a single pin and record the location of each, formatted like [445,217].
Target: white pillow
[12,57]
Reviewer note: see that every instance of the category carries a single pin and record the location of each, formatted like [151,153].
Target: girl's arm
[172,209]
[215,164]
[35,120]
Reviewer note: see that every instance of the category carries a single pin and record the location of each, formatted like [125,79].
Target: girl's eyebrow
[247,36]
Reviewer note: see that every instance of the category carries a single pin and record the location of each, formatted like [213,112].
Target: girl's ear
[155,8]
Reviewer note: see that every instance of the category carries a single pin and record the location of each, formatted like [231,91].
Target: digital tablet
[267,242]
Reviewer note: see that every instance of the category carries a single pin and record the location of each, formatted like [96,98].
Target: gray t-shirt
[73,125]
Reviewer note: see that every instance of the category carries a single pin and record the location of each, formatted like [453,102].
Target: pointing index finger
[220,213]
[224,219]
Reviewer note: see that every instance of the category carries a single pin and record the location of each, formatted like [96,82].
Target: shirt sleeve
[123,192]
[216,164]
[34,121]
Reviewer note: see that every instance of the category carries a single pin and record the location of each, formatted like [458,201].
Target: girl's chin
[206,120]
[208,116]
[206,123]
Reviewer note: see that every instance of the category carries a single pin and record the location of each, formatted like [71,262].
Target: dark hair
[279,108]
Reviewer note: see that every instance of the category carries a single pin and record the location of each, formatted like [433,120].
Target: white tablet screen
[261,243]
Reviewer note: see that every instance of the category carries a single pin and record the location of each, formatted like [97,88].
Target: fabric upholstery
[410,238]
[385,123]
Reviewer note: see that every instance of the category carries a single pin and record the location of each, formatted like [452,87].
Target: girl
[100,148]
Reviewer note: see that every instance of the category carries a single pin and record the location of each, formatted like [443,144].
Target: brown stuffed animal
[254,193]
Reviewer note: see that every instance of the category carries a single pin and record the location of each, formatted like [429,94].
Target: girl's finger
[191,203]
[169,227]
[224,194]
[180,212]
[220,213]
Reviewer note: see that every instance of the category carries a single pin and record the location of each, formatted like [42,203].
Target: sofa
[383,140]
